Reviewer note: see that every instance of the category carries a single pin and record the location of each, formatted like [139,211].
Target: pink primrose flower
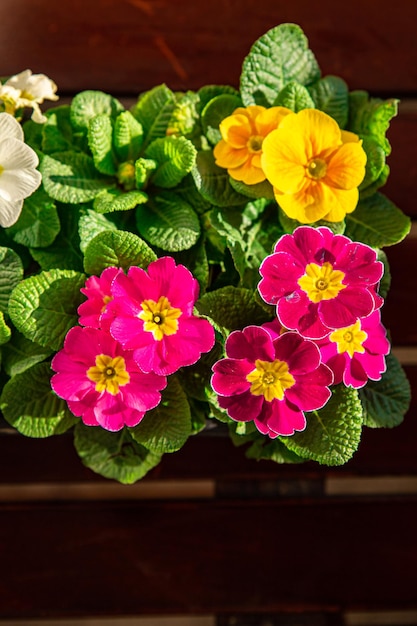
[153,316]
[94,311]
[271,381]
[320,281]
[357,352]
[101,382]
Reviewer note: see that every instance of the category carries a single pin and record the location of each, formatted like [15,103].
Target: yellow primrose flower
[243,133]
[314,167]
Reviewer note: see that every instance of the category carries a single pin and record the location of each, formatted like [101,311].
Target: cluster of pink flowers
[135,330]
[327,331]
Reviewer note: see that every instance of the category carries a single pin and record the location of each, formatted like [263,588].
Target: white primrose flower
[18,174]
[27,90]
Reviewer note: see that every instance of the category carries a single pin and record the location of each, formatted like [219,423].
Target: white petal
[10,127]
[9,212]
[19,81]
[16,155]
[18,184]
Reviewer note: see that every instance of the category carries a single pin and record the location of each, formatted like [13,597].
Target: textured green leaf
[11,273]
[127,137]
[332,434]
[386,401]
[100,141]
[263,448]
[295,97]
[21,353]
[71,177]
[91,224]
[208,92]
[44,307]
[195,259]
[116,248]
[231,308]
[38,224]
[167,427]
[331,95]
[213,182]
[29,404]
[5,330]
[175,157]
[385,281]
[111,200]
[377,222]
[215,111]
[153,111]
[57,130]
[259,190]
[113,455]
[375,161]
[371,116]
[184,117]
[87,104]
[168,222]
[278,57]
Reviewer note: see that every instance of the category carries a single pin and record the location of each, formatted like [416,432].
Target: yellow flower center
[160,317]
[126,175]
[109,373]
[321,282]
[349,339]
[255,143]
[270,379]
[317,168]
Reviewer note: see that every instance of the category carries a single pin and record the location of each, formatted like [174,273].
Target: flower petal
[10,127]
[346,167]
[9,212]
[229,376]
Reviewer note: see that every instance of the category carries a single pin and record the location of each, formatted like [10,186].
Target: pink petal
[252,343]
[242,408]
[283,418]
[301,355]
[229,376]
[310,392]
[302,315]
[351,303]
[280,273]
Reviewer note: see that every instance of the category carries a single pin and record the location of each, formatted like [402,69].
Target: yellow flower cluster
[315,167]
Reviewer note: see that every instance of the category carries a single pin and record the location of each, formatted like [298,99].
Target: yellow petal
[306,206]
[247,173]
[346,167]
[236,130]
[316,130]
[226,156]
[345,201]
[270,119]
[283,160]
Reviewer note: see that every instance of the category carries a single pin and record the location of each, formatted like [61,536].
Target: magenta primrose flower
[94,311]
[357,352]
[153,316]
[271,381]
[101,382]
[320,281]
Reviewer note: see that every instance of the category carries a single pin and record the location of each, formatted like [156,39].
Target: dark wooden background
[209,532]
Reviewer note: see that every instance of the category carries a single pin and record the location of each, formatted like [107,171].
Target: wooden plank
[127,558]
[125,45]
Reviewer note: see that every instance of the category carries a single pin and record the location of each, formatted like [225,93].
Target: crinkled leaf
[38,224]
[168,222]
[184,117]
[64,252]
[44,307]
[331,95]
[29,404]
[144,168]
[377,222]
[111,200]
[72,177]
[153,111]
[371,116]
[167,427]
[116,248]
[278,57]
[295,97]
[113,455]
[11,273]
[91,224]
[263,448]
[213,182]
[21,353]
[208,92]
[259,190]
[175,157]
[231,308]
[5,330]
[332,434]
[127,137]
[100,141]
[375,161]
[195,259]
[87,104]
[215,111]
[374,186]
[385,281]
[57,130]
[386,401]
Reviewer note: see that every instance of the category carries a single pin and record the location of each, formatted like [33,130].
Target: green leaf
[184,117]
[385,281]
[208,92]
[57,130]
[295,97]
[113,455]
[331,95]
[175,157]
[100,136]
[259,190]
[167,427]
[375,162]
[386,401]
[263,448]
[11,273]
[29,404]
[116,248]
[111,200]
[215,111]
[377,222]
[153,111]
[213,182]
[371,116]
[44,307]
[168,222]
[231,308]
[277,58]
[91,224]
[332,434]
[195,259]
[87,104]
[5,331]
[21,353]
[38,224]
[71,177]
[127,137]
